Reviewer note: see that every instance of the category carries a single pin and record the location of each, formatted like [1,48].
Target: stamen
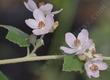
[94,67]
[55,25]
[41,25]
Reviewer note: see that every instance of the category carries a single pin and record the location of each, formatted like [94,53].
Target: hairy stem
[106,58]
[28,51]
[34,50]
[36,46]
[28,59]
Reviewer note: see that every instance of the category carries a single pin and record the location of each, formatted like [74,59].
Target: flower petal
[95,74]
[91,45]
[47,8]
[30,5]
[56,12]
[68,50]
[102,65]
[70,38]
[31,23]
[49,21]
[84,47]
[89,72]
[87,68]
[83,36]
[80,51]
[88,43]
[92,74]
[38,15]
[40,31]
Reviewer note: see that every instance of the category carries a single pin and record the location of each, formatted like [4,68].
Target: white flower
[77,45]
[46,9]
[93,66]
[41,24]
[30,5]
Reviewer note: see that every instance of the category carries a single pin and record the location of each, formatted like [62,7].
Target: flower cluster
[43,21]
[81,46]
[84,48]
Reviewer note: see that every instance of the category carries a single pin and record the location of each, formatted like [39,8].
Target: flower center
[94,67]
[77,43]
[41,25]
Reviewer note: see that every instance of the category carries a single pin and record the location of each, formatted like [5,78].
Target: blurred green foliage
[2,76]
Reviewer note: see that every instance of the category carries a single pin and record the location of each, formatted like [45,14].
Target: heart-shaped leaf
[72,63]
[16,36]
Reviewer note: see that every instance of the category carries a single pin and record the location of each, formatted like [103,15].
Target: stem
[42,37]
[37,58]
[34,50]
[36,46]
[28,51]
[106,58]
[28,59]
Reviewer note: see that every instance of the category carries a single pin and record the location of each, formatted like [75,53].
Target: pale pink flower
[41,24]
[46,8]
[93,67]
[30,5]
[77,45]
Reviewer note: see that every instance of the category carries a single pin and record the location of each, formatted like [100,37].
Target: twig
[28,51]
[28,59]
[106,58]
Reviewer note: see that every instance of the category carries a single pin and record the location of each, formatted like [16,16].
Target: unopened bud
[82,57]
[88,55]
[56,24]
[32,39]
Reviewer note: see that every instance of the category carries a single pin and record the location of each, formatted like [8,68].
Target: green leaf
[2,76]
[72,63]
[16,36]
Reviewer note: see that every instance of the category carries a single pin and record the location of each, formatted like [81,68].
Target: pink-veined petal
[85,46]
[31,23]
[70,38]
[68,50]
[89,72]
[83,36]
[95,74]
[88,44]
[91,45]
[80,51]
[30,5]
[47,8]
[102,65]
[87,68]
[38,15]
[49,21]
